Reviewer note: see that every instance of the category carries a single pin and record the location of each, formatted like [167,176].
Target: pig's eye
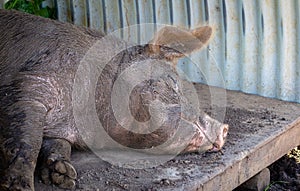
[155,92]
[174,83]
[169,76]
[176,88]
[204,122]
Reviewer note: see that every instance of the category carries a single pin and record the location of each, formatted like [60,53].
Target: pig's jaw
[195,144]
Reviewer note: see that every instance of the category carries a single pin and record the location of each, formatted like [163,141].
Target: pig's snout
[221,138]
[209,138]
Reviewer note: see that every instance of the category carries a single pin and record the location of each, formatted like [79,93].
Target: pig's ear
[173,42]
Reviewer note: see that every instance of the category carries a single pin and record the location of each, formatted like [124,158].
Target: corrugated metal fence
[256,46]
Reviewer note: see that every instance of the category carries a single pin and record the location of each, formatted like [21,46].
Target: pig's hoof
[16,183]
[58,172]
[18,176]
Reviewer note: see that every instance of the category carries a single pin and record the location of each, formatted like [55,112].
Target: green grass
[294,153]
[276,182]
[31,6]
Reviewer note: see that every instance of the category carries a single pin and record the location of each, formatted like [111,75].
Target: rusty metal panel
[255,47]
[287,51]
[146,15]
[162,11]
[180,17]
[2,4]
[250,46]
[64,10]
[297,81]
[267,85]
[129,10]
[216,55]
[49,3]
[232,12]
[95,14]
[196,69]
[80,12]
[180,13]
[113,20]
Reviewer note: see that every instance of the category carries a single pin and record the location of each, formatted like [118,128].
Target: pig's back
[31,43]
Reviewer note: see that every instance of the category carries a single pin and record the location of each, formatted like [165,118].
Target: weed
[31,6]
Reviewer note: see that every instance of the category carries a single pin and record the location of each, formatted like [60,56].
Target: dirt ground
[285,173]
[95,174]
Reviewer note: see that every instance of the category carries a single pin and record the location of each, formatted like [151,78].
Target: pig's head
[165,103]
[143,110]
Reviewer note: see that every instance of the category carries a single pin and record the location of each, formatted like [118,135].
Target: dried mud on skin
[93,173]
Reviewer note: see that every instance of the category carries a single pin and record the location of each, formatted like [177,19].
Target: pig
[38,63]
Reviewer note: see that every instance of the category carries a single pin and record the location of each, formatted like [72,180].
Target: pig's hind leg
[55,164]
[21,136]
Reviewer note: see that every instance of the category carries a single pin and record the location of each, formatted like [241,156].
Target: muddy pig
[39,59]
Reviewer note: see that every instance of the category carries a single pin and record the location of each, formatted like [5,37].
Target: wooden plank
[256,160]
[261,131]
